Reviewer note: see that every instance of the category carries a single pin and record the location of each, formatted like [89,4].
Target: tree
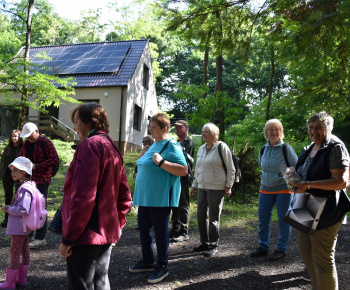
[313,38]
[210,26]
[22,76]
[89,28]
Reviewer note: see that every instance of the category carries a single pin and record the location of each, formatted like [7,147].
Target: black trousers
[40,234]
[8,183]
[87,267]
[181,214]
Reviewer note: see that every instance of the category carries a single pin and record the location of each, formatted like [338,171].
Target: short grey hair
[213,129]
[149,139]
[323,117]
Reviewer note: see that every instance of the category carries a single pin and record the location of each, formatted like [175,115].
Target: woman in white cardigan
[212,183]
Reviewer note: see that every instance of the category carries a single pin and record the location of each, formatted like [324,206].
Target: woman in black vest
[324,167]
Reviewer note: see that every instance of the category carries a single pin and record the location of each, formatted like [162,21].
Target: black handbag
[56,223]
[305,211]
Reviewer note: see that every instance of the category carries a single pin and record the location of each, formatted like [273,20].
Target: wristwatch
[308,185]
[161,162]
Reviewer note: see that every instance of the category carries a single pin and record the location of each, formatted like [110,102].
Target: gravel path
[231,268]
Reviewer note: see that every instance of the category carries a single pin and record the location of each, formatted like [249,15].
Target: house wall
[145,98]
[111,104]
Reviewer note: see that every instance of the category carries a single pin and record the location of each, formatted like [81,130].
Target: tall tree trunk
[206,63]
[24,97]
[272,75]
[218,85]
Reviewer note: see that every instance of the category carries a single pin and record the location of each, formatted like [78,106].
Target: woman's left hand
[157,158]
[65,250]
[228,191]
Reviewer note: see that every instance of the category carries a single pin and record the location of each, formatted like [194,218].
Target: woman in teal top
[157,189]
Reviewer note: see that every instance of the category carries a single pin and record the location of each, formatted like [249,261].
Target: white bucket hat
[23,163]
[28,129]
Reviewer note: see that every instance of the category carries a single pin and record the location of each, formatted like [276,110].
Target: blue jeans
[158,219]
[266,204]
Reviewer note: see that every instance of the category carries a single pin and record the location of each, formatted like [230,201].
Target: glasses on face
[152,127]
[144,141]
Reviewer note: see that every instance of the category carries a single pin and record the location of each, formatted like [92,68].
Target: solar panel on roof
[83,59]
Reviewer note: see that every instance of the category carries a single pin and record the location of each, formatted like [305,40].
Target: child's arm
[4,208]
[23,205]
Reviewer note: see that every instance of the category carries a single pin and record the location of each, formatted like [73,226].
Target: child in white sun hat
[16,274]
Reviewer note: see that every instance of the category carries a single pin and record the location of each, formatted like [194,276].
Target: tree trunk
[206,64]
[272,75]
[218,85]
[24,97]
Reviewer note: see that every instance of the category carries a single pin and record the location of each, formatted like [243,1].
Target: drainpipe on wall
[121,122]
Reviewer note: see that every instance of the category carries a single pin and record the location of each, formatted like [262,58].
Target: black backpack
[236,163]
[54,167]
[284,151]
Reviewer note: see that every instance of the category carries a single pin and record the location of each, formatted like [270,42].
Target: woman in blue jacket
[273,189]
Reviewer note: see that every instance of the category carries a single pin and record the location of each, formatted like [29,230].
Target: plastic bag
[291,176]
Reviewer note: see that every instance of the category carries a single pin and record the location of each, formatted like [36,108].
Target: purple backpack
[37,213]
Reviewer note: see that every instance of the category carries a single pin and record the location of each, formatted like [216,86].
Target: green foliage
[64,151]
[49,89]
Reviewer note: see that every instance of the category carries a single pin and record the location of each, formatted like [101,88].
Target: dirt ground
[231,268]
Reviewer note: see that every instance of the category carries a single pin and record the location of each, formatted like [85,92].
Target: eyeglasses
[145,141]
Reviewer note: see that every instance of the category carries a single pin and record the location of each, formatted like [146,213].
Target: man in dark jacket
[43,155]
[181,215]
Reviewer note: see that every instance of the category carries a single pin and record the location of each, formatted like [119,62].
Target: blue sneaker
[159,273]
[141,266]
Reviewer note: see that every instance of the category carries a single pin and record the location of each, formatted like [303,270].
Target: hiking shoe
[277,255]
[159,273]
[140,266]
[180,238]
[37,244]
[201,248]
[211,252]
[306,277]
[259,252]
[31,239]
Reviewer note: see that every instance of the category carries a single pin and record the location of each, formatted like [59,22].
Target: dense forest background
[234,63]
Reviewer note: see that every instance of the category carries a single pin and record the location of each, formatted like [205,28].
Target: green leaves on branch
[43,89]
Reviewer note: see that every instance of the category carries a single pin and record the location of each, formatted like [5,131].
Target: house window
[148,123]
[137,117]
[145,76]
[88,101]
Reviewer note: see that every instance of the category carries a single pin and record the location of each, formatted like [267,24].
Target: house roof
[102,64]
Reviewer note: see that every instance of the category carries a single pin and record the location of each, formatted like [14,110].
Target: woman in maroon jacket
[95,202]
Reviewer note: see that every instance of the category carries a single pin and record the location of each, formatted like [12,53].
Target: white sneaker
[37,244]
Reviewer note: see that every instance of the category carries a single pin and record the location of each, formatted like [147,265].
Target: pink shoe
[10,282]
[22,275]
